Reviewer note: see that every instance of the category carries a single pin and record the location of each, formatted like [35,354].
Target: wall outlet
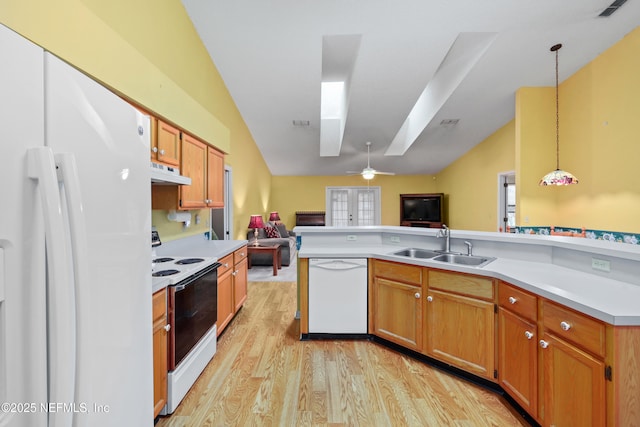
[395,239]
[352,237]
[601,264]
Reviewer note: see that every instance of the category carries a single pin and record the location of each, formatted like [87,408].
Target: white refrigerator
[75,248]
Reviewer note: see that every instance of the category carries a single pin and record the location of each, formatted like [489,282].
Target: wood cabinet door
[225,301]
[194,165]
[398,312]
[573,385]
[166,144]
[215,178]
[518,359]
[240,284]
[160,341]
[460,331]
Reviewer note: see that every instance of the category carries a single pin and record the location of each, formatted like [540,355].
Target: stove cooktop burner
[162,259]
[190,261]
[163,273]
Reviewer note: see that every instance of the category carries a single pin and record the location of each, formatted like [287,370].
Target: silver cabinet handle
[565,326]
[162,152]
[154,149]
[417,295]
[167,328]
[544,344]
[234,272]
[226,264]
[429,298]
[512,300]
[528,334]
[241,253]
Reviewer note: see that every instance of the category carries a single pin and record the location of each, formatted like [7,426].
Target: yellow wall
[535,156]
[149,52]
[307,193]
[471,182]
[599,113]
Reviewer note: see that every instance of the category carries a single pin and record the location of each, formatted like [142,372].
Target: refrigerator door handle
[61,328]
[68,175]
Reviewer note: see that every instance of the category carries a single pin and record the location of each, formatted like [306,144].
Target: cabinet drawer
[463,284]
[570,325]
[227,264]
[159,305]
[400,272]
[517,301]
[239,254]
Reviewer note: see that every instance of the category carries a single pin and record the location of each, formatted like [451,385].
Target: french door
[352,206]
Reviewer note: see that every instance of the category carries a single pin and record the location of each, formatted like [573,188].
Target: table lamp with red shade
[256,222]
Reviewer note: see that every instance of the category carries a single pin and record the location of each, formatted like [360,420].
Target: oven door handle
[179,288]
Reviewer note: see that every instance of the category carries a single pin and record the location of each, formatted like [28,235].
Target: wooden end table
[274,250]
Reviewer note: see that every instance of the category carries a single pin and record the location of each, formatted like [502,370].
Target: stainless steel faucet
[445,232]
[469,248]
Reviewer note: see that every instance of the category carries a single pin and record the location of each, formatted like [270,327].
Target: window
[352,206]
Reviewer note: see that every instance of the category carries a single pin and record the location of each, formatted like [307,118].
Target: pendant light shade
[558,176]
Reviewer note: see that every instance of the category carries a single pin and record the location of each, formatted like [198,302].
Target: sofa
[287,241]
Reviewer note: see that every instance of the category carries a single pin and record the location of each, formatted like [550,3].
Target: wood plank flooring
[262,375]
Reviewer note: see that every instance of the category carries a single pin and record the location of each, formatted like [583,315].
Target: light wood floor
[262,375]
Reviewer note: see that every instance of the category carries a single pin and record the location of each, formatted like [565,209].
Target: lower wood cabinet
[518,346]
[160,337]
[518,359]
[232,286]
[572,363]
[573,385]
[225,293]
[397,303]
[240,262]
[461,319]
[563,367]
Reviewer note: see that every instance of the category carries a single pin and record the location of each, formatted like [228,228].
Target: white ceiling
[270,55]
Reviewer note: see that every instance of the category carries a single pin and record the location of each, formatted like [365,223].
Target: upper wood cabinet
[165,143]
[194,166]
[205,166]
[215,178]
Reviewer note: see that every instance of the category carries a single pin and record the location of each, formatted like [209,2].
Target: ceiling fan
[369,172]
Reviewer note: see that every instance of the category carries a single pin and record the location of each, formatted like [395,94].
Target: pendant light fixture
[558,176]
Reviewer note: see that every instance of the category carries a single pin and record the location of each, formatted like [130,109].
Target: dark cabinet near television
[422,210]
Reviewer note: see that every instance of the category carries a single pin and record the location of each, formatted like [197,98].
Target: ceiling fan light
[368,173]
[558,177]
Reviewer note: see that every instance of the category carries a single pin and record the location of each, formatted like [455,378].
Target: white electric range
[171,270]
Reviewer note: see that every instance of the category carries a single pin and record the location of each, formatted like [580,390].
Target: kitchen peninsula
[542,321]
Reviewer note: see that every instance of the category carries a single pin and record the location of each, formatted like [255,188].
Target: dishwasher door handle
[337,265]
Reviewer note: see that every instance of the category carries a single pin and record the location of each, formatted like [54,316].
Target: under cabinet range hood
[167,175]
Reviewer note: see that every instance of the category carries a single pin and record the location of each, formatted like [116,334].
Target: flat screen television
[421,207]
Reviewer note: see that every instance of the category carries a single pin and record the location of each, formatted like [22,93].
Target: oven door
[193,310]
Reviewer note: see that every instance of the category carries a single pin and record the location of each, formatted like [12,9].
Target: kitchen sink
[471,260]
[416,253]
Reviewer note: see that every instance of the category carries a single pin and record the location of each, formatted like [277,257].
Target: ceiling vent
[301,123]
[449,122]
[612,8]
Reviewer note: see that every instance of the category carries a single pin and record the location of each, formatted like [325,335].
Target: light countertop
[609,298]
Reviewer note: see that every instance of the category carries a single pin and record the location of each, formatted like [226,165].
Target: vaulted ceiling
[410,69]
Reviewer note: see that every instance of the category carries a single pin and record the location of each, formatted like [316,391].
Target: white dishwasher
[338,295]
